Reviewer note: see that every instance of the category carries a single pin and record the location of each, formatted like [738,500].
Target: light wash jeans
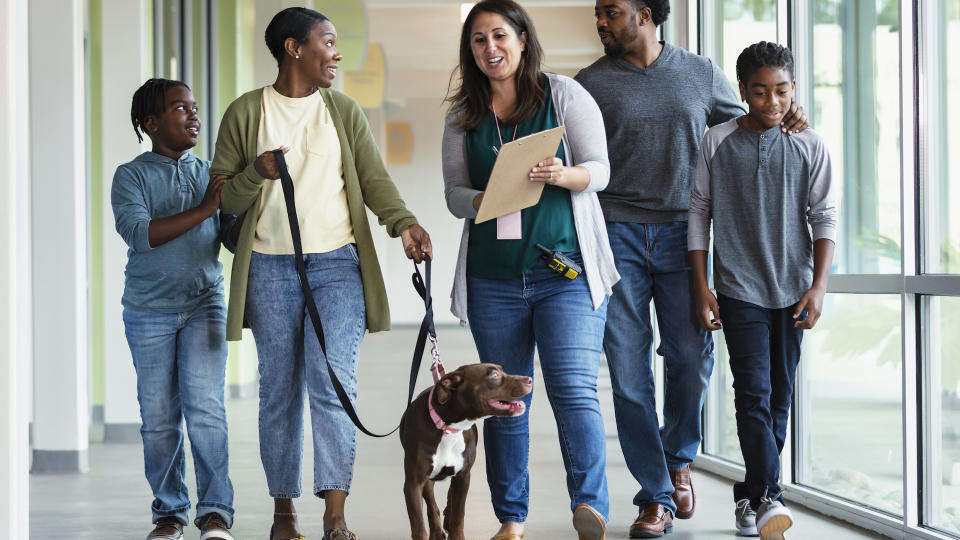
[508,317]
[181,361]
[653,264]
[291,362]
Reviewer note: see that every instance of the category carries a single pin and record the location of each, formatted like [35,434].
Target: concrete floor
[113,500]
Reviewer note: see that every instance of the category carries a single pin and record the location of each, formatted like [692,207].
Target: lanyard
[497,122]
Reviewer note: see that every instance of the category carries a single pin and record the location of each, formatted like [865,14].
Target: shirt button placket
[763,149]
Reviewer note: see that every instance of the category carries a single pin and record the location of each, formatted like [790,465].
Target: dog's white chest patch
[450,450]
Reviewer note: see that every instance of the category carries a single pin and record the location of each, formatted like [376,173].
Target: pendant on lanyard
[508,226]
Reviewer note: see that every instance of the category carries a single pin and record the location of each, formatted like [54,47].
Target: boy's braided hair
[659,9]
[760,55]
[149,100]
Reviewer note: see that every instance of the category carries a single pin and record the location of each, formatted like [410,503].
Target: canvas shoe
[773,518]
[746,519]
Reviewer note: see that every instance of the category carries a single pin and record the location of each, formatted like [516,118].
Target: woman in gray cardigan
[513,301]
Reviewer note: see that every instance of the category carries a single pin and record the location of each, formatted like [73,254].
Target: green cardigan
[365,177]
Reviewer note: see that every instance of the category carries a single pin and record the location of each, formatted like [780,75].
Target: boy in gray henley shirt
[765,193]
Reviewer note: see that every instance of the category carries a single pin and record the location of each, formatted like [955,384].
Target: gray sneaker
[746,519]
[773,518]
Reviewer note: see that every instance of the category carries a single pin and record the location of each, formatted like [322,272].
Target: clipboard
[510,188]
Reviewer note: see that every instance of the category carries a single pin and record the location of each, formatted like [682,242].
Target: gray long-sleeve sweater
[766,194]
[655,118]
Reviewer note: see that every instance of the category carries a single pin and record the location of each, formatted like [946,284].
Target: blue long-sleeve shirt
[183,273]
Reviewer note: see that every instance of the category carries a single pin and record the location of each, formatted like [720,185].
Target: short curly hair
[760,55]
[659,8]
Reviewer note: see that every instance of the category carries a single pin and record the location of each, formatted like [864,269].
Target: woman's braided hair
[760,55]
[149,100]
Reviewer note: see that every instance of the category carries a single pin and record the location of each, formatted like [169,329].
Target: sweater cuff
[402,225]
[825,230]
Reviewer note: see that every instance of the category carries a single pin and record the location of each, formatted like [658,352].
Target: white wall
[127,63]
[59,203]
[14,272]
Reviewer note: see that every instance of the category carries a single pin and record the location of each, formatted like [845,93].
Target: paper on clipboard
[510,188]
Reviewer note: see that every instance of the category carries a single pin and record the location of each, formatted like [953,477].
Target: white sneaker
[746,519]
[773,518]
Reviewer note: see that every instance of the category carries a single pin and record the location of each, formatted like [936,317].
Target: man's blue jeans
[181,361]
[291,362]
[508,318]
[652,261]
[764,349]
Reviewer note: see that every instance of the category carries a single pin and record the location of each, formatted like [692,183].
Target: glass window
[942,470]
[856,109]
[849,403]
[942,167]
[743,23]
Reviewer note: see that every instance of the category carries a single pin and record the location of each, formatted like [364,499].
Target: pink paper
[508,226]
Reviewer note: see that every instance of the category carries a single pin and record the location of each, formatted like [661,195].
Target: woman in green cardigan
[338,173]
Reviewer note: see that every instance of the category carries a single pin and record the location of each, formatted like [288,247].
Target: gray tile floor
[113,500]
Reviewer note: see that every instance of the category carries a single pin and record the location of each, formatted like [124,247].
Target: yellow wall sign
[349,17]
[399,143]
[367,84]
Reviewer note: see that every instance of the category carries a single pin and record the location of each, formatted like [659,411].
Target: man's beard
[617,47]
[614,50]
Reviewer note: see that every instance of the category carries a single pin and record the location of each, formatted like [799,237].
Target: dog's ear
[448,384]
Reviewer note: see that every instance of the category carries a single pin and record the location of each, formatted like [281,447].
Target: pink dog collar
[437,421]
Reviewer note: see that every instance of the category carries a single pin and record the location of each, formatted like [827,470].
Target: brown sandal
[339,534]
[294,514]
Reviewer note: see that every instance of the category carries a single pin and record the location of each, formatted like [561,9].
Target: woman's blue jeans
[181,361]
[542,309]
[291,362]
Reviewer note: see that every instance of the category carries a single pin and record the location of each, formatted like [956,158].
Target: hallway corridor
[112,501]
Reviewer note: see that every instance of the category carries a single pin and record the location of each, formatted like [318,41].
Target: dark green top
[549,222]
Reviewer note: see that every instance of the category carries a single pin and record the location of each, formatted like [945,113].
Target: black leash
[427,329]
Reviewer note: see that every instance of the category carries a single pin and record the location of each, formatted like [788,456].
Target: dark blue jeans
[508,317]
[764,349]
[652,261]
[181,361]
[291,364]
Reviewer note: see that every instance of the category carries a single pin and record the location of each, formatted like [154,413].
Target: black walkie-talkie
[560,263]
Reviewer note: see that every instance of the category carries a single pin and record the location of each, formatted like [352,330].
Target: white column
[127,63]
[14,273]
[59,198]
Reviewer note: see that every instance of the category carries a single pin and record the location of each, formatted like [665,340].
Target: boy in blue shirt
[765,193]
[166,209]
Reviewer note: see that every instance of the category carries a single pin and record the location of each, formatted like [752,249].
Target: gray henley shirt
[766,193]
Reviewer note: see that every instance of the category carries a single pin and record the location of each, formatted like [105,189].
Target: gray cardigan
[585,145]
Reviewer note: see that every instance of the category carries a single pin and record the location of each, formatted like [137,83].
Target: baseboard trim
[60,462]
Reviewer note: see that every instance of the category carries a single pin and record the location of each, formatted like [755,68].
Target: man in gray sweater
[657,100]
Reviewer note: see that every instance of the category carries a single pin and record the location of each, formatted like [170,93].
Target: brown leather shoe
[166,528]
[654,521]
[683,492]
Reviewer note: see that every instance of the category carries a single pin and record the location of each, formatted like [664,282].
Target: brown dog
[439,439]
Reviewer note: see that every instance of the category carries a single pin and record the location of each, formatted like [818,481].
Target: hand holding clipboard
[510,188]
